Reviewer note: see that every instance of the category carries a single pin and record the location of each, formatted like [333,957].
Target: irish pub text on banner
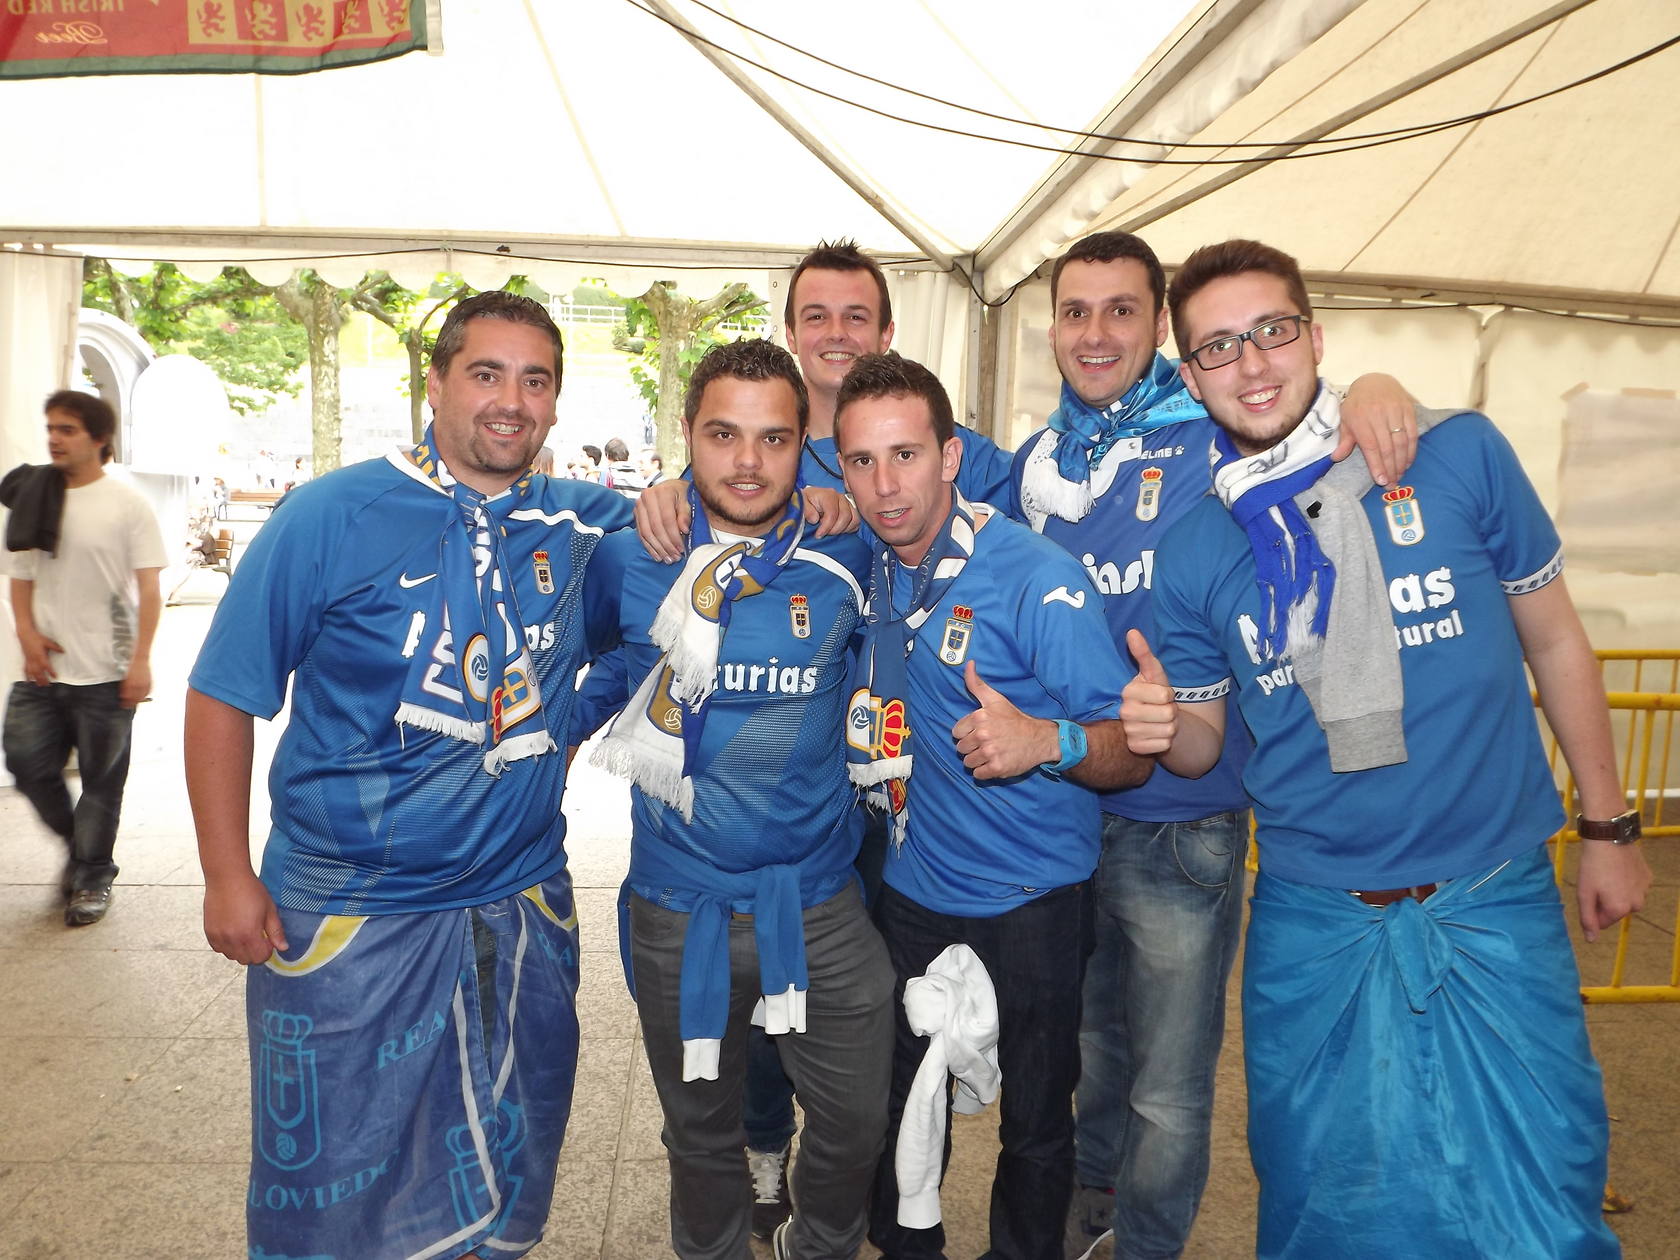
[44,38]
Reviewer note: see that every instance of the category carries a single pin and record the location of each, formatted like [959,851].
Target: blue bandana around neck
[488,692]
[1085,432]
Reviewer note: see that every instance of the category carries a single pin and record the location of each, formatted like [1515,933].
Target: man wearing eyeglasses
[1419,1077]
[1123,457]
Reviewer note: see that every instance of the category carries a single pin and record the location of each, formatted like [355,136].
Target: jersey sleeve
[603,590]
[1070,649]
[1177,625]
[605,690]
[1526,550]
[272,609]
[984,476]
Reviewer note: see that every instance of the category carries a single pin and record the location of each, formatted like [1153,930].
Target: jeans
[1035,955]
[42,725]
[767,1105]
[1169,904]
[839,1064]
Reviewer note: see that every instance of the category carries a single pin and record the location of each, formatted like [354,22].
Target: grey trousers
[841,1068]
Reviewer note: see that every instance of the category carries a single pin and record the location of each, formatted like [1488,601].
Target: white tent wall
[39,295]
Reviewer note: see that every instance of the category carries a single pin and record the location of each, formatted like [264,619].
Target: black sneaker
[1090,1224]
[87,905]
[771,1205]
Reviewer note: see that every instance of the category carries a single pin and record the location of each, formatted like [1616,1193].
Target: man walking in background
[84,553]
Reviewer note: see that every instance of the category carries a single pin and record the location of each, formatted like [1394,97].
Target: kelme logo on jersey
[874,726]
[959,627]
[799,616]
[544,572]
[1405,515]
[1149,494]
[288,1099]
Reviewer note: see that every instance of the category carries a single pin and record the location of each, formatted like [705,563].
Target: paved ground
[123,1094]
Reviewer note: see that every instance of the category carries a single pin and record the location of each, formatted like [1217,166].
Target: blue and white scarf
[654,741]
[1056,478]
[487,691]
[1295,578]
[879,733]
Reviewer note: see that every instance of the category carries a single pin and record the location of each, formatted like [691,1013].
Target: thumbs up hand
[1147,710]
[997,740]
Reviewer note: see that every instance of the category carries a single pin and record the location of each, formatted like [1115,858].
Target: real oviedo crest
[1404,514]
[1149,494]
[959,628]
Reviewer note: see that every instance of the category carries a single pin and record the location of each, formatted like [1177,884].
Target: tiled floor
[123,1079]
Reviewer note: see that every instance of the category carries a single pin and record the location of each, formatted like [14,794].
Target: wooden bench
[217,559]
[264,499]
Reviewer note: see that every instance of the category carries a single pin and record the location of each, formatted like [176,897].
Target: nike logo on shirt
[405,581]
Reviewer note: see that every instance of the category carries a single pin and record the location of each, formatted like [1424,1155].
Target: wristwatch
[1071,744]
[1622,829]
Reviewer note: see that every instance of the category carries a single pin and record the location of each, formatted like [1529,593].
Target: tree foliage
[667,334]
[232,323]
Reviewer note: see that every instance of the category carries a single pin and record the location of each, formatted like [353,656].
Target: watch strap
[1622,829]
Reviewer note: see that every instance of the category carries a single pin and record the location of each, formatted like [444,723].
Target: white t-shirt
[85,596]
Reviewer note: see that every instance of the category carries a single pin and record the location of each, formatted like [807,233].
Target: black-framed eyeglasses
[1268,336]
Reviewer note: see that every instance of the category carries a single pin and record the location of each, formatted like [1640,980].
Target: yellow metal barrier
[1643,720]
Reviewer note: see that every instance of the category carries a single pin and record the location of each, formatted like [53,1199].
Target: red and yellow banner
[44,38]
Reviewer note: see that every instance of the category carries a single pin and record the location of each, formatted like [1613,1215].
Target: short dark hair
[891,375]
[617,451]
[96,415]
[495,304]
[843,255]
[1107,247]
[1231,258]
[594,453]
[748,360]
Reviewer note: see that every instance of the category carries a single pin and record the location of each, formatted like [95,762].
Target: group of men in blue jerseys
[905,713]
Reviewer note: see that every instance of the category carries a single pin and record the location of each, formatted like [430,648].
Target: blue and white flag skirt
[411,1078]
[1419,1077]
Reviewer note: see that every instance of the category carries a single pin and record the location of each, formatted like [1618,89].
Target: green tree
[408,314]
[232,323]
[667,334]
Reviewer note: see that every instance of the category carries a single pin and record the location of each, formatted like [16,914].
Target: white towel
[954,1005]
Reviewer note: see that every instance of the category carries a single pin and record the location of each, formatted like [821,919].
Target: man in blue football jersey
[984,715]
[1419,1077]
[411,940]
[838,309]
[1123,457]
[741,892]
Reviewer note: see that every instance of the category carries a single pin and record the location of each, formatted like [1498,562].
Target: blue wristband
[1071,737]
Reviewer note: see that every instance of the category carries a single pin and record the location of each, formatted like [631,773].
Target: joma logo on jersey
[959,628]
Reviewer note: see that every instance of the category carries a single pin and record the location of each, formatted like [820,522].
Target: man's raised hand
[1147,710]
[997,740]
